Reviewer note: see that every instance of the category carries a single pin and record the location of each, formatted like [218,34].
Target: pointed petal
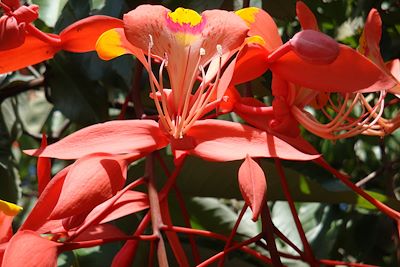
[262,24]
[253,185]
[12,33]
[90,181]
[7,213]
[114,137]
[104,231]
[222,143]
[306,17]
[31,52]
[123,203]
[82,35]
[43,168]
[46,202]
[251,63]
[27,248]
[371,37]
[335,77]
[113,43]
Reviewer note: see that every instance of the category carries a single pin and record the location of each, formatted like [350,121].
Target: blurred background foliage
[75,90]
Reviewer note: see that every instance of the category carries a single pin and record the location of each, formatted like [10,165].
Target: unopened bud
[315,47]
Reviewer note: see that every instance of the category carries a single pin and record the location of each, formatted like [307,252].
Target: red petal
[262,24]
[335,77]
[31,52]
[104,231]
[219,140]
[82,35]
[46,202]
[251,63]
[114,137]
[116,207]
[43,168]
[12,33]
[27,248]
[90,181]
[253,185]
[306,17]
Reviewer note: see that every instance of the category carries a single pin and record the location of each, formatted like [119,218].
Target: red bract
[7,213]
[27,248]
[253,185]
[24,45]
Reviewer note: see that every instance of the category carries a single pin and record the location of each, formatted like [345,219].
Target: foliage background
[75,90]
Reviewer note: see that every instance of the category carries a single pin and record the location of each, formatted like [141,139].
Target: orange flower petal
[335,77]
[82,35]
[306,17]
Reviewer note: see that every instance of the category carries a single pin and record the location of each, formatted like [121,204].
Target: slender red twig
[213,235]
[307,248]
[234,247]
[155,211]
[345,179]
[186,218]
[98,242]
[268,231]
[233,233]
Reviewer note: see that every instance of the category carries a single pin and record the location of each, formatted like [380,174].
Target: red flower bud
[12,33]
[315,47]
[26,14]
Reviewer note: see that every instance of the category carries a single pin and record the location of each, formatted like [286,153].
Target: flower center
[178,116]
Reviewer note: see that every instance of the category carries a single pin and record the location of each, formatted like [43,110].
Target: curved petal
[90,181]
[82,35]
[31,52]
[335,77]
[43,169]
[46,202]
[12,33]
[262,24]
[306,17]
[371,37]
[251,63]
[114,137]
[233,141]
[27,248]
[7,213]
[253,185]
[113,43]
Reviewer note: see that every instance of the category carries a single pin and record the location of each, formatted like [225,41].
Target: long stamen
[209,93]
[153,90]
[188,95]
[164,100]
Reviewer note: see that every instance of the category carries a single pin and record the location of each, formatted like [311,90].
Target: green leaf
[49,10]
[78,98]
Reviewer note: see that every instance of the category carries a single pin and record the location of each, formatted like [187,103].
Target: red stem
[345,179]
[215,236]
[130,247]
[307,248]
[232,234]
[54,41]
[268,230]
[234,247]
[155,211]
[186,218]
